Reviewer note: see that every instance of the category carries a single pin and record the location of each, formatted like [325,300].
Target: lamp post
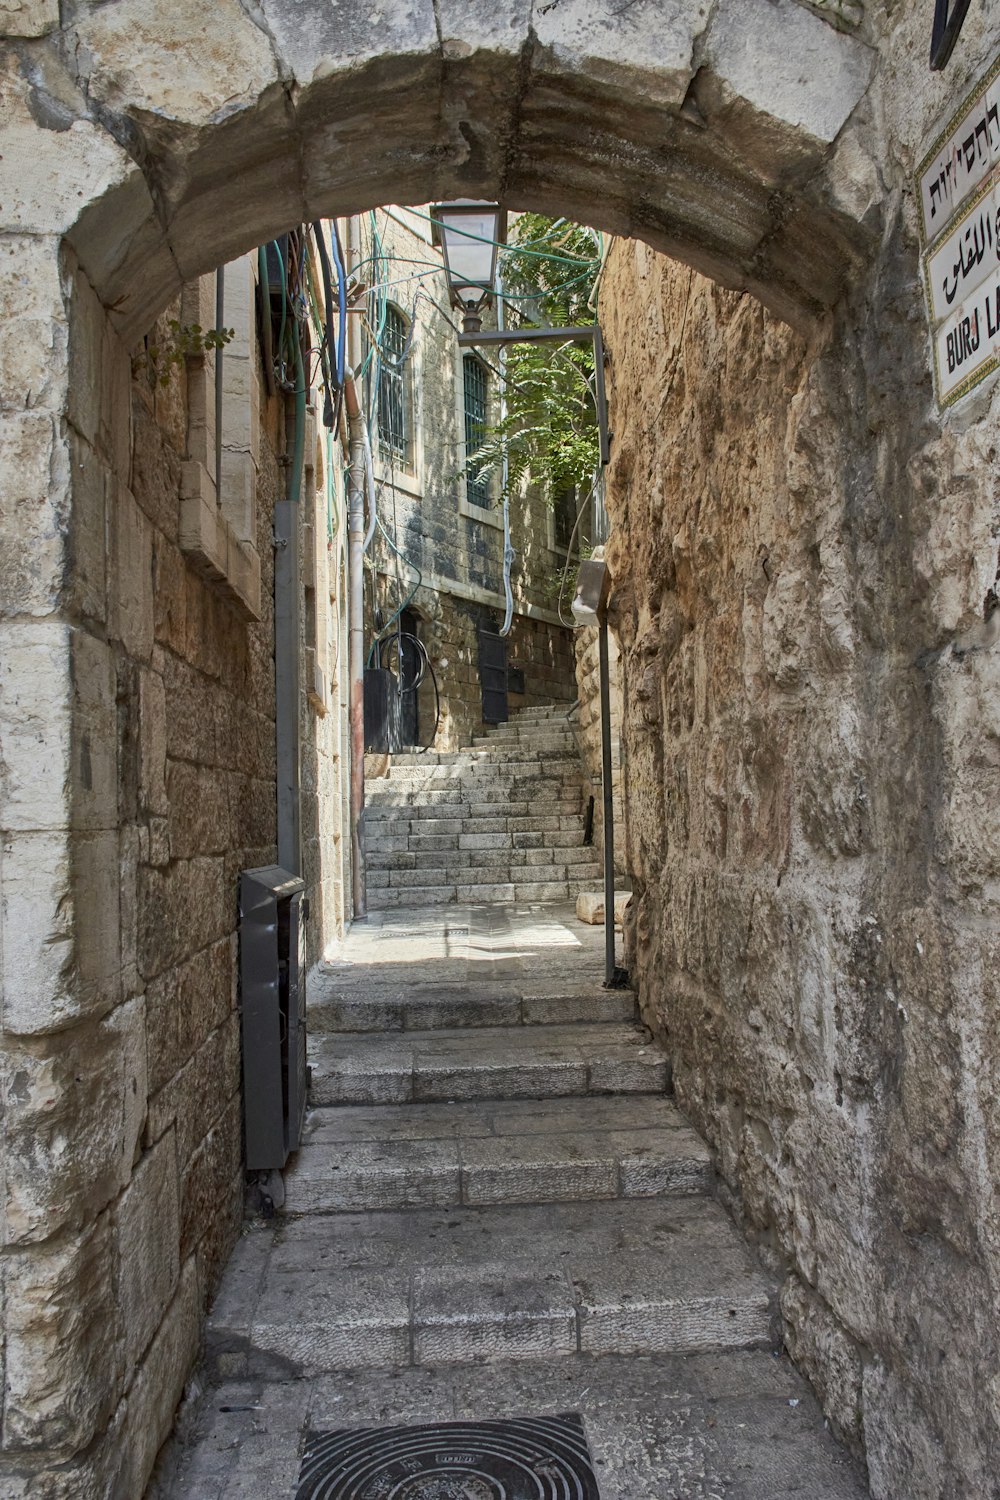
[469,233]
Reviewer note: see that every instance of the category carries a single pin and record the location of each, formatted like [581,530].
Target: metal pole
[356,640]
[608,800]
[220,313]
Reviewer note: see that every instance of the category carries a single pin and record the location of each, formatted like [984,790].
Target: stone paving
[540,1238]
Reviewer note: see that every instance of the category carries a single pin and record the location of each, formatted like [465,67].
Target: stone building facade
[438,553]
[813,681]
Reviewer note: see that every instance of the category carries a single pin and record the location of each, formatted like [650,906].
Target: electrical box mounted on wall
[273,911]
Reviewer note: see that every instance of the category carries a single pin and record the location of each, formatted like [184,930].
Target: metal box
[273,990]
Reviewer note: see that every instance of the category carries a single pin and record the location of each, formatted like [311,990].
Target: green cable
[284,302]
[569,260]
[387,628]
[299,441]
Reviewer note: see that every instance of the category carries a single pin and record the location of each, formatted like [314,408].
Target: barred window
[476,389]
[393,390]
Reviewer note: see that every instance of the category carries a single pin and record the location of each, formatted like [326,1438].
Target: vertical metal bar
[609,813]
[220,313]
[356,640]
[600,392]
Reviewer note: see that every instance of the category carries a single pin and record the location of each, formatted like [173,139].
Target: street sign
[958,188]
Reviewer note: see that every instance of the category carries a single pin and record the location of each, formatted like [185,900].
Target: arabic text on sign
[966,256]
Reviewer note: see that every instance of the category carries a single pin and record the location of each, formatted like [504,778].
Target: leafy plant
[549,433]
[184,341]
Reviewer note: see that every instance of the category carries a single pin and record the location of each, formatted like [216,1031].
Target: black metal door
[409,680]
[493,676]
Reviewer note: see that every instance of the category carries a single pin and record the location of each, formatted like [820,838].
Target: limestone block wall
[150,703]
[805,561]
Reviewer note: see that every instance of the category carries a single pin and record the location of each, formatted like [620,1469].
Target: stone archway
[143,148]
[161,143]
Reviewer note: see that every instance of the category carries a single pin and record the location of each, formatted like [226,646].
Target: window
[475,389]
[393,390]
[564,508]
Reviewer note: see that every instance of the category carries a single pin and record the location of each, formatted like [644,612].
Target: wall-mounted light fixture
[469,233]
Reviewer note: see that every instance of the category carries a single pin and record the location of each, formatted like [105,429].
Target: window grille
[475,380]
[393,417]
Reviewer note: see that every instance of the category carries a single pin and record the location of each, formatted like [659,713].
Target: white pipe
[356,636]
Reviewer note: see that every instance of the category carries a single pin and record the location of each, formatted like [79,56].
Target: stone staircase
[501,821]
[491,1171]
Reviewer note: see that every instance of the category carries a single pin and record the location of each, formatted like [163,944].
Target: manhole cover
[543,1458]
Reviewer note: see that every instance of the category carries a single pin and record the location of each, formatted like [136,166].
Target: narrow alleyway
[497,1214]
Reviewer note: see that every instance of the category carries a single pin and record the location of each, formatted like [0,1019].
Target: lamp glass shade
[468,234]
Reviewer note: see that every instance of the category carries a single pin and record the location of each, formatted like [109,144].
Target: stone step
[337,1004]
[422,851]
[385,898]
[455,802]
[515,1062]
[492,874]
[477,1155]
[431,1287]
[497,871]
[392,819]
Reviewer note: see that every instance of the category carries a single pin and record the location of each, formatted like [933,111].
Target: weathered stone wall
[124,1178]
[803,555]
[123,1183]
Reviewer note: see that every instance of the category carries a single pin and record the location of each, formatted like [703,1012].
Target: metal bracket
[949,19]
[580,333]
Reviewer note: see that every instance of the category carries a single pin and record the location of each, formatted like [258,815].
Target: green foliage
[184,341]
[549,434]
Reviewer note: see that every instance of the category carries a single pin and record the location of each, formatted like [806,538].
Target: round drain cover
[543,1458]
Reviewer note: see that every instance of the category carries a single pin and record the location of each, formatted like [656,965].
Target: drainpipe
[286,634]
[356,635]
[610,972]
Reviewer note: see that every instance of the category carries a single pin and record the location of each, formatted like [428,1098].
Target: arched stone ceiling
[162,138]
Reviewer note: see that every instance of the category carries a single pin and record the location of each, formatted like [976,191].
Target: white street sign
[958,184]
[967,345]
[966,255]
[963,155]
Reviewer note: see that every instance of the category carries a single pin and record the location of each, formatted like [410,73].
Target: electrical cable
[267,333]
[398,638]
[572,624]
[324,265]
[338,260]
[569,260]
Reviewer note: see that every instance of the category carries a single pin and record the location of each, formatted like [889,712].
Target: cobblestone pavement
[498,1212]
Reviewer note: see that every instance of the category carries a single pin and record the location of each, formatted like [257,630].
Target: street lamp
[469,233]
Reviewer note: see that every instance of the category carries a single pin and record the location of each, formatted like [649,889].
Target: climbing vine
[184,341]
